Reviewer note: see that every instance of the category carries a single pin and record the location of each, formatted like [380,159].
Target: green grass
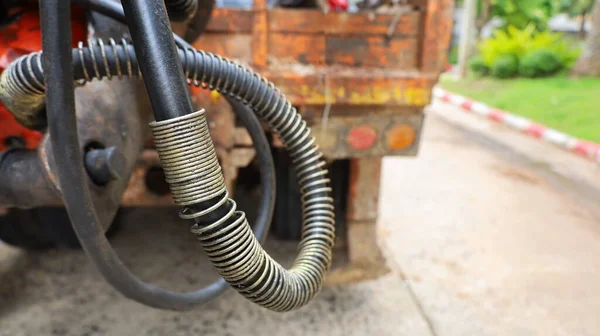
[570,105]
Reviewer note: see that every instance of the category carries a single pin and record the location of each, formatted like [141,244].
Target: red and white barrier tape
[584,148]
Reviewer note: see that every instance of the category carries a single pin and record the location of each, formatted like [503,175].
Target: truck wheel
[287,219]
[40,228]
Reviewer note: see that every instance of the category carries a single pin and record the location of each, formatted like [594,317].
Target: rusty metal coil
[19,82]
[105,60]
[188,158]
[194,175]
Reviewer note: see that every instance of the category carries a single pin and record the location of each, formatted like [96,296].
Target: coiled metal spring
[188,158]
[19,81]
[194,175]
[96,55]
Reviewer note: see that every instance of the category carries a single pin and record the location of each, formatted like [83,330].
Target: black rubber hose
[266,203]
[158,60]
[114,10]
[162,71]
[301,283]
[178,10]
[56,29]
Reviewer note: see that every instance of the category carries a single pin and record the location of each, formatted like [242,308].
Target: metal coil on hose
[194,176]
[97,55]
[188,158]
[21,90]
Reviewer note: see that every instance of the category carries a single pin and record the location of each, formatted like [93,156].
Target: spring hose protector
[194,173]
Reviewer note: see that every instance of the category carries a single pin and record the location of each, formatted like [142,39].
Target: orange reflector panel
[400,137]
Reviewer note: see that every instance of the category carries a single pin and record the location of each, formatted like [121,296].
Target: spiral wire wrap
[194,175]
[188,158]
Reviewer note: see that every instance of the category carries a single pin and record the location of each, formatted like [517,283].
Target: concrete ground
[488,232]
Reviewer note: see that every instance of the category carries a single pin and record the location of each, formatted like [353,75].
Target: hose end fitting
[22,93]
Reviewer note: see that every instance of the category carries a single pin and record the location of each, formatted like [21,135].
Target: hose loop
[194,174]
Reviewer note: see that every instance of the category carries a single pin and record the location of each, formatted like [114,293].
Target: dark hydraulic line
[276,288]
[114,10]
[60,104]
[158,59]
[62,122]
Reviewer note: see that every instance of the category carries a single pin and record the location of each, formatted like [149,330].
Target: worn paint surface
[298,49]
[355,90]
[259,34]
[338,23]
[365,259]
[436,35]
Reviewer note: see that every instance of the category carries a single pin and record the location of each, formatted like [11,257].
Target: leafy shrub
[478,66]
[505,43]
[528,66]
[518,43]
[505,66]
[541,62]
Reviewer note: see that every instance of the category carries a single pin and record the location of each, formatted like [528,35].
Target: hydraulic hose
[73,179]
[93,238]
[56,39]
[194,174]
[251,271]
[114,10]
[163,77]
[235,254]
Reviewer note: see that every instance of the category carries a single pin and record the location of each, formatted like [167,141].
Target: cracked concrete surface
[496,234]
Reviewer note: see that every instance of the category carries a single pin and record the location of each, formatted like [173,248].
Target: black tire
[287,220]
[41,228]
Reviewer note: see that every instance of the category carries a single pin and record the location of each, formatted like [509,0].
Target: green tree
[578,8]
[520,13]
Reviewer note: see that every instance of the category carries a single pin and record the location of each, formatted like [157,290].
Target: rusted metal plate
[227,20]
[259,34]
[354,89]
[241,137]
[313,112]
[372,51]
[219,115]
[418,4]
[363,191]
[365,258]
[235,46]
[297,48]
[436,35]
[316,22]
[139,194]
